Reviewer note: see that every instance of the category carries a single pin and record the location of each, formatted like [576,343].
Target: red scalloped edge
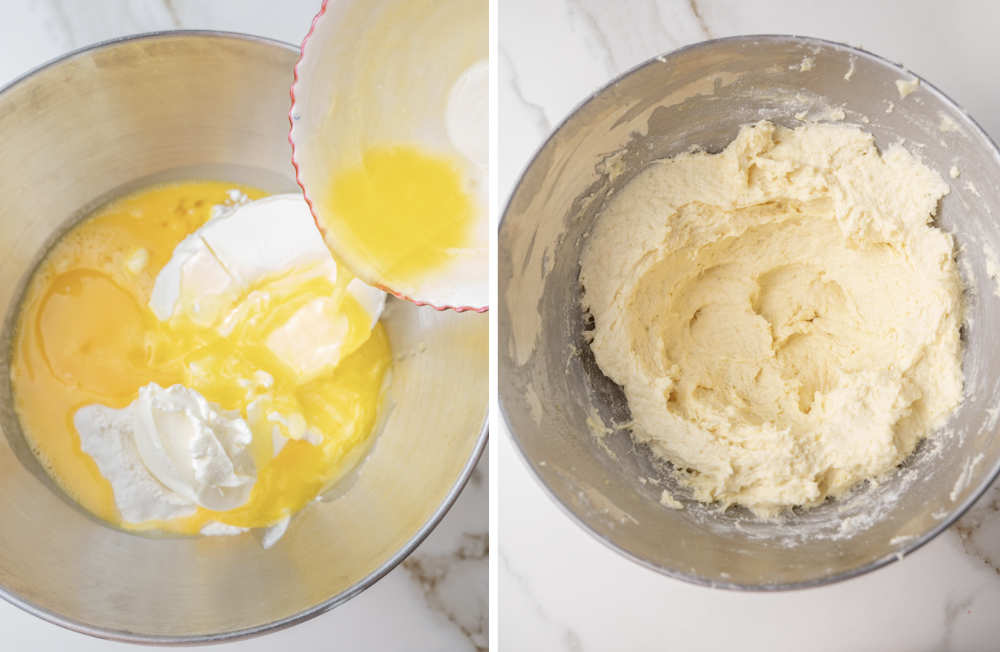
[305,195]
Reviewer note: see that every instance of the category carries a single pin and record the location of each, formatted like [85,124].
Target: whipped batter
[783,316]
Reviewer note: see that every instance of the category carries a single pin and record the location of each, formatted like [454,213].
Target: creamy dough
[783,316]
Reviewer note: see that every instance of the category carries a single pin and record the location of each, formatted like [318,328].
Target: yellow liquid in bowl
[86,335]
[403,211]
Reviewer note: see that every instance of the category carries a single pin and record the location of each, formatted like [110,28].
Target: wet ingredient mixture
[187,360]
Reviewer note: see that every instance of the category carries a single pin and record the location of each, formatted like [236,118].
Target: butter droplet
[137,261]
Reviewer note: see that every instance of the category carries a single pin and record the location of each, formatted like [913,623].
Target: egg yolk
[403,211]
[86,335]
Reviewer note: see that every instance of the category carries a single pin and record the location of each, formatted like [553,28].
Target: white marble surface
[435,601]
[561,590]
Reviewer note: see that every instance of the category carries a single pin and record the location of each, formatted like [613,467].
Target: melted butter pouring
[85,335]
[401,209]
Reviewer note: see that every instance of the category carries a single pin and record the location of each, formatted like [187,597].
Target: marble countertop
[437,599]
[560,589]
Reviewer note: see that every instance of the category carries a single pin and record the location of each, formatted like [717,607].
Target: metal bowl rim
[908,547]
[315,610]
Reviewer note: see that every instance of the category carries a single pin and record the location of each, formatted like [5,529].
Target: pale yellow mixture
[783,316]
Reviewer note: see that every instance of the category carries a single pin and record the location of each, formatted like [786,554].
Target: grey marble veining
[451,566]
[979,530]
[445,580]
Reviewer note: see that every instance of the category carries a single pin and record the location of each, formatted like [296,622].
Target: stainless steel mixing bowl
[552,394]
[206,105]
